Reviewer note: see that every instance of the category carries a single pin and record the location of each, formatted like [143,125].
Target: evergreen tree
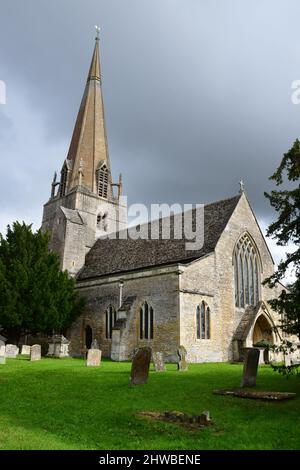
[287,229]
[35,296]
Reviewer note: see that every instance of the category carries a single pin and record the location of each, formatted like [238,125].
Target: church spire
[88,146]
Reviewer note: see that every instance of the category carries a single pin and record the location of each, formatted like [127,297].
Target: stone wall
[159,287]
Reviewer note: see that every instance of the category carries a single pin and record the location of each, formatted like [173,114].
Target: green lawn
[62,404]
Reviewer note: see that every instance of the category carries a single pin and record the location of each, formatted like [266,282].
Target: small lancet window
[146,322]
[102,181]
[203,321]
[111,318]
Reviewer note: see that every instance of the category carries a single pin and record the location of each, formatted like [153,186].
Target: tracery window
[246,272]
[111,318]
[102,181]
[203,321]
[146,321]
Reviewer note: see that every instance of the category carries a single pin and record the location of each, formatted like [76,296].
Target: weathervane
[97,28]
[242,186]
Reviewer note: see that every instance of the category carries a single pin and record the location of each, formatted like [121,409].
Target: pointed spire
[88,146]
[94,72]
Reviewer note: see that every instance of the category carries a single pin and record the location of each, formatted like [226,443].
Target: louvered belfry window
[63,181]
[102,181]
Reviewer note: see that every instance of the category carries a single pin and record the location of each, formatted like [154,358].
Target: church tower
[83,205]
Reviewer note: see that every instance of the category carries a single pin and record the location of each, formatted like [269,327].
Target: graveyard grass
[62,404]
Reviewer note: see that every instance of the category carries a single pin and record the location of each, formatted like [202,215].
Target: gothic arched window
[63,181]
[246,272]
[146,321]
[203,321]
[102,181]
[111,318]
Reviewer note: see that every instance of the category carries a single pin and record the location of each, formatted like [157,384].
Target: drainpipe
[121,284]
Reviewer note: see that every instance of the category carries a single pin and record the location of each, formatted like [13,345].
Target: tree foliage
[286,202]
[35,295]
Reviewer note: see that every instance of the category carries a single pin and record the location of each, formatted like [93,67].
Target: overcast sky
[197,96]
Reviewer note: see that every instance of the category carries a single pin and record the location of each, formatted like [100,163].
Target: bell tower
[85,204]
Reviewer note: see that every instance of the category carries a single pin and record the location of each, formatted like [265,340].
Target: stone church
[154,292]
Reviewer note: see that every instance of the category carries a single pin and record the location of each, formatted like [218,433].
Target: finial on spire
[97,28]
[242,186]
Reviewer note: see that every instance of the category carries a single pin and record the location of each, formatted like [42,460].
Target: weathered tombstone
[58,346]
[2,340]
[287,360]
[94,357]
[250,367]
[182,364]
[35,353]
[140,366]
[11,350]
[158,361]
[25,350]
[95,344]
[2,355]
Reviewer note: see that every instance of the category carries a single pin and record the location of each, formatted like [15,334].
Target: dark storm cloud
[197,93]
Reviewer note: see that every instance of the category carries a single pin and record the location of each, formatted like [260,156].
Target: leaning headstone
[25,350]
[2,355]
[140,366]
[94,357]
[182,364]
[250,367]
[11,351]
[35,353]
[158,361]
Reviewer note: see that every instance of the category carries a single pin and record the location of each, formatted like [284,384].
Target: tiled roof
[116,256]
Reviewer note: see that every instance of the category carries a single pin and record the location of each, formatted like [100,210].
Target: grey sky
[197,95]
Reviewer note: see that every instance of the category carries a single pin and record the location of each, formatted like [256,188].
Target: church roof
[122,255]
[246,322]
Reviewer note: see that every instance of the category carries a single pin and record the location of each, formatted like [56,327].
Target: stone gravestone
[2,340]
[25,350]
[250,367]
[140,366]
[2,355]
[158,361]
[35,353]
[94,357]
[58,346]
[11,350]
[182,364]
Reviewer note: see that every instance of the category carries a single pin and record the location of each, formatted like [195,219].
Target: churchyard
[63,404]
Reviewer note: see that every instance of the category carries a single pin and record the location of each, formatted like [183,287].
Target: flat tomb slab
[257,395]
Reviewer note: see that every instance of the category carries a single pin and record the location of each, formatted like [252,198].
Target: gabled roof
[246,322]
[72,215]
[117,256]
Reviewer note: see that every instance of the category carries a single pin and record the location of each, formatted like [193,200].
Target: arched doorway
[262,330]
[88,337]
